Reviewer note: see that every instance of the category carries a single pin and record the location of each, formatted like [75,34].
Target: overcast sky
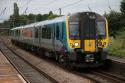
[68,6]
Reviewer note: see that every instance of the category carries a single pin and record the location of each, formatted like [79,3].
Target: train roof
[58,19]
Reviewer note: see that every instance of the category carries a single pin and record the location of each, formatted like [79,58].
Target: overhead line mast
[109,5]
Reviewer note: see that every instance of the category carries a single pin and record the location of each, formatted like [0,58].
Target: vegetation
[117,46]
[18,20]
[116,22]
[123,6]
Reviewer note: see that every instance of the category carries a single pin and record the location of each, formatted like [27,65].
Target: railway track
[98,76]
[66,80]
[29,72]
[111,77]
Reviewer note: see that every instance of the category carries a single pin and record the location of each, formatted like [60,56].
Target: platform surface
[8,74]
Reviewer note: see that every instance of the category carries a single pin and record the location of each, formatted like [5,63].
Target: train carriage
[80,38]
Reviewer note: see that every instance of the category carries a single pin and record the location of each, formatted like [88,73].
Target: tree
[16,15]
[23,20]
[115,21]
[11,20]
[18,20]
[122,6]
[51,15]
[31,18]
[45,16]
[39,17]
[16,10]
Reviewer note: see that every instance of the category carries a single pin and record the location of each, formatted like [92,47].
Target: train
[79,39]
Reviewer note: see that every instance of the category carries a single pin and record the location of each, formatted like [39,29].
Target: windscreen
[101,29]
[87,26]
[74,30]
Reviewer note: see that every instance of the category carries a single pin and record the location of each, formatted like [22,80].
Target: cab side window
[46,32]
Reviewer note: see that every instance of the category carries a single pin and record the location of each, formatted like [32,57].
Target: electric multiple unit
[80,38]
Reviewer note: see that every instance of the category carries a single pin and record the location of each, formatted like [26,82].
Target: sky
[67,6]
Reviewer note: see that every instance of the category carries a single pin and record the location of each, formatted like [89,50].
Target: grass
[117,46]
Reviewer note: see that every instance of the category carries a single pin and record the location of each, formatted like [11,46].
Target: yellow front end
[103,43]
[89,45]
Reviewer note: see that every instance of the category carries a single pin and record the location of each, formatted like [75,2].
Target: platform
[8,74]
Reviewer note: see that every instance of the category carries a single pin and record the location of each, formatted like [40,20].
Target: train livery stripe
[67,31]
[107,32]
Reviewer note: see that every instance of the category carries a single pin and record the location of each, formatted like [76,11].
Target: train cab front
[88,38]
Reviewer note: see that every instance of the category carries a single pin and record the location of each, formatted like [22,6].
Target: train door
[58,36]
[88,32]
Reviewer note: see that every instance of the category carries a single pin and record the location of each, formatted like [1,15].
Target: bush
[117,47]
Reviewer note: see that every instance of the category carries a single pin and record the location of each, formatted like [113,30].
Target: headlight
[99,43]
[76,44]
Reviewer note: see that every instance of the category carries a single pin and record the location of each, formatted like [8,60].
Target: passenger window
[46,32]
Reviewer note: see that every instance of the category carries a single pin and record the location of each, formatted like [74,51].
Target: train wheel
[57,57]
[64,60]
[60,59]
[48,54]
